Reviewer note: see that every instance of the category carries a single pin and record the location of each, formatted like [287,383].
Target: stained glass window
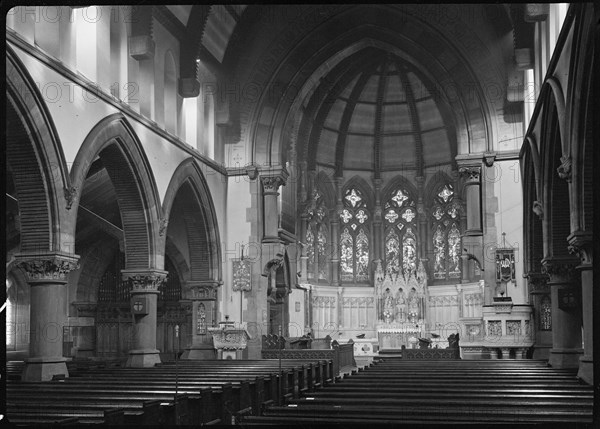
[310,251]
[400,233]
[354,239]
[446,234]
[439,252]
[322,252]
[347,255]
[546,314]
[392,254]
[409,252]
[317,254]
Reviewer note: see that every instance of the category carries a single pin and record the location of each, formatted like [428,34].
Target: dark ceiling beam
[414,117]
[381,88]
[232,12]
[168,20]
[141,42]
[346,118]
[343,73]
[523,37]
[190,50]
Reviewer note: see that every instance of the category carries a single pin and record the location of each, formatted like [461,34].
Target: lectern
[230,341]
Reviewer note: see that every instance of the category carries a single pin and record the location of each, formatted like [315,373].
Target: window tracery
[446,239]
[546,314]
[400,233]
[316,238]
[354,238]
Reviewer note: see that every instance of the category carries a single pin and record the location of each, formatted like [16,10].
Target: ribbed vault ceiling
[382,115]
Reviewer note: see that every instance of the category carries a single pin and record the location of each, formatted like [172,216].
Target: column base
[143,358]
[586,369]
[43,369]
[199,353]
[565,358]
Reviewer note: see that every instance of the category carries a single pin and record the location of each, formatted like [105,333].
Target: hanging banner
[505,265]
[241,275]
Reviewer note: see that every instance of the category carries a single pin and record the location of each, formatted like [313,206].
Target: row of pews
[172,393]
[397,391]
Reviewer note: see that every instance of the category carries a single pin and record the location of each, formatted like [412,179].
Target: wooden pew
[209,393]
[390,392]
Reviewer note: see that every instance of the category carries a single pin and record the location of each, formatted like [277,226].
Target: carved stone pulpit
[229,341]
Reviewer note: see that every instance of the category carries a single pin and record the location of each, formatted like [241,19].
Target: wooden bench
[396,392]
[208,393]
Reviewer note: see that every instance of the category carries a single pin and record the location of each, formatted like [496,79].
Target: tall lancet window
[316,238]
[446,234]
[400,234]
[354,237]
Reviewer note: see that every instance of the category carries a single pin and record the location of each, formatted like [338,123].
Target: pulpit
[229,341]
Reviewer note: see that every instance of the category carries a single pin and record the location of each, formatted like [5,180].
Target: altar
[394,338]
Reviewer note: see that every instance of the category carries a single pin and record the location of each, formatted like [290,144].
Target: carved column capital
[581,245]
[564,169]
[271,184]
[471,174]
[559,270]
[201,289]
[537,282]
[47,267]
[144,281]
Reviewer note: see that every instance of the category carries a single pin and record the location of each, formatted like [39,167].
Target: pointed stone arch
[396,182]
[534,240]
[188,177]
[555,190]
[36,161]
[434,183]
[364,187]
[114,141]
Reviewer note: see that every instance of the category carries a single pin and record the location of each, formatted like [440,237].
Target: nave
[362,180]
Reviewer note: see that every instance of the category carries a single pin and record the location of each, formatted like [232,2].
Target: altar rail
[421,354]
[269,342]
[342,355]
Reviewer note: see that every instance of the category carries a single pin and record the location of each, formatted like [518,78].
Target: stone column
[273,247]
[143,284]
[580,243]
[335,234]
[377,221]
[566,322]
[537,284]
[472,193]
[271,184]
[47,275]
[203,297]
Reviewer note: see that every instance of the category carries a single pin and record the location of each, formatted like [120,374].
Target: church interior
[258,214]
